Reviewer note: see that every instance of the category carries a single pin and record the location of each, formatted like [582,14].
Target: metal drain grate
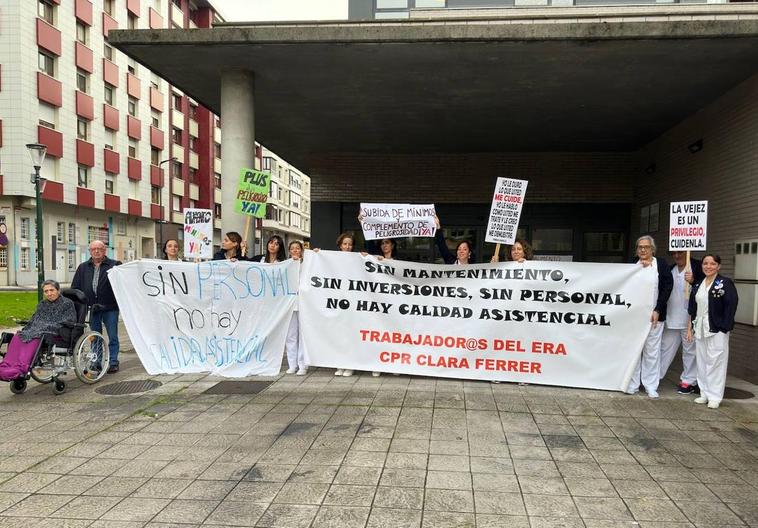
[128,387]
[238,387]
[737,394]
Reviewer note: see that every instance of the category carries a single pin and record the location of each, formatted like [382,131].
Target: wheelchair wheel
[91,357]
[59,387]
[18,386]
[43,369]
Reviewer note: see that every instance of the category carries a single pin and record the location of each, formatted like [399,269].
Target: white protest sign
[226,318]
[507,202]
[570,324]
[397,220]
[198,233]
[688,226]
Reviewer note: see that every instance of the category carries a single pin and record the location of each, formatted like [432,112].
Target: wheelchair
[76,347]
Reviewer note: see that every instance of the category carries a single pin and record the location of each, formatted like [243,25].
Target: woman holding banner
[293,346]
[231,247]
[171,250]
[274,251]
[464,254]
[713,303]
[520,251]
[345,242]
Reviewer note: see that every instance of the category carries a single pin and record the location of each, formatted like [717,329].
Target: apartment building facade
[288,213]
[125,150]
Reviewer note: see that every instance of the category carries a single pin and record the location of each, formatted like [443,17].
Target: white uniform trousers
[672,338]
[648,367]
[295,350]
[712,359]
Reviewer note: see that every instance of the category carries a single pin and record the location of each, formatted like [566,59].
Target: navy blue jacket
[697,270]
[104,294]
[665,285]
[721,306]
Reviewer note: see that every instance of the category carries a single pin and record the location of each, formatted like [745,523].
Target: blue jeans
[110,319]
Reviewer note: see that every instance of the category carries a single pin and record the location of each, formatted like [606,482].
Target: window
[83,180]
[192,204]
[549,240]
[47,64]
[133,146]
[82,81]
[193,143]
[25,228]
[193,111]
[131,66]
[155,195]
[24,261]
[295,200]
[177,3]
[110,139]
[108,52]
[108,6]
[217,180]
[71,260]
[108,94]
[46,124]
[133,193]
[273,189]
[48,115]
[176,135]
[155,119]
[155,156]
[268,163]
[132,107]
[176,101]
[131,21]
[176,203]
[72,233]
[217,150]
[217,210]
[82,33]
[295,220]
[82,129]
[110,183]
[97,233]
[46,11]
[176,169]
[60,233]
[193,175]
[3,257]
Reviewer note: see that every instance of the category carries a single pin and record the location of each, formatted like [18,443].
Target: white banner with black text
[555,323]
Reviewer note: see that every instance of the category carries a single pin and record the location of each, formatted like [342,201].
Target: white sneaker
[347,373]
[303,371]
[376,374]
[291,370]
[630,392]
[713,404]
[701,399]
[652,395]
[338,372]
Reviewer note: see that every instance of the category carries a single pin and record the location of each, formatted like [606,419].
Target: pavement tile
[556,522]
[402,498]
[37,505]
[288,516]
[444,519]
[186,511]
[135,509]
[116,486]
[207,490]
[688,491]
[448,500]
[542,486]
[487,520]
[495,482]
[270,472]
[71,485]
[394,518]
[301,493]
[602,508]
[349,495]
[709,514]
[341,517]
[550,506]
[28,482]
[260,492]
[579,487]
[364,476]
[406,478]
[496,502]
[654,509]
[406,460]
[86,507]
[452,480]
[235,513]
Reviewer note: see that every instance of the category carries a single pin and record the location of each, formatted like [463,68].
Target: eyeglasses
[645,247]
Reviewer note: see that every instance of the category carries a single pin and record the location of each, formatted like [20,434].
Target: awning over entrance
[459,85]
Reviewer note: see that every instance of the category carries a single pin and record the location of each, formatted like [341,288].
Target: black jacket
[448,256]
[722,304]
[665,285]
[83,281]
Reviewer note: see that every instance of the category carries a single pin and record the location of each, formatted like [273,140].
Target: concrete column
[237,145]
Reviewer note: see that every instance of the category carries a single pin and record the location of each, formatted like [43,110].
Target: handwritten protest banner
[506,210]
[556,323]
[198,233]
[397,220]
[226,318]
[688,226]
[252,193]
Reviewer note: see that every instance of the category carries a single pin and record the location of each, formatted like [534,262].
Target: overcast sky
[260,10]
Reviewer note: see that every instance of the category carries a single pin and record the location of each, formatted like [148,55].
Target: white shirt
[676,311]
[700,325]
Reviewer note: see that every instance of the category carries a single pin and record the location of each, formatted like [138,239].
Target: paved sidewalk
[382,452]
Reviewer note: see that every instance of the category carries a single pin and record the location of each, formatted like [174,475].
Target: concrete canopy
[457,85]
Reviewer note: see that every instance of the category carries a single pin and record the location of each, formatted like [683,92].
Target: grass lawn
[15,306]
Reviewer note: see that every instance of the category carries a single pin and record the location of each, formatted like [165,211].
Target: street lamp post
[162,222]
[37,153]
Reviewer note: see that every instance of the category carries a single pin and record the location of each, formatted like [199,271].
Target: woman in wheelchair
[48,319]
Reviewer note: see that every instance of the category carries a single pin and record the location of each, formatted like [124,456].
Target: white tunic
[676,311]
[700,325]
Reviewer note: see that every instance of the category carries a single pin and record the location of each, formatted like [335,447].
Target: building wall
[724,172]
[287,217]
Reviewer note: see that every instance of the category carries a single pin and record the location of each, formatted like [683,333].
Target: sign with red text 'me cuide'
[572,324]
[688,226]
[252,193]
[198,233]
[506,210]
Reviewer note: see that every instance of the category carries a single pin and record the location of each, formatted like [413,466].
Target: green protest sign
[252,193]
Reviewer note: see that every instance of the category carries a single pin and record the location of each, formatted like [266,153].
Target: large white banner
[226,318]
[555,323]
[397,220]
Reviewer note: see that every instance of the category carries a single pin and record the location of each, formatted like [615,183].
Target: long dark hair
[526,246]
[165,244]
[281,255]
[393,253]
[237,239]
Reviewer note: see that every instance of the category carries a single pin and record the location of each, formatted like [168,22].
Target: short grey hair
[648,238]
[54,284]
